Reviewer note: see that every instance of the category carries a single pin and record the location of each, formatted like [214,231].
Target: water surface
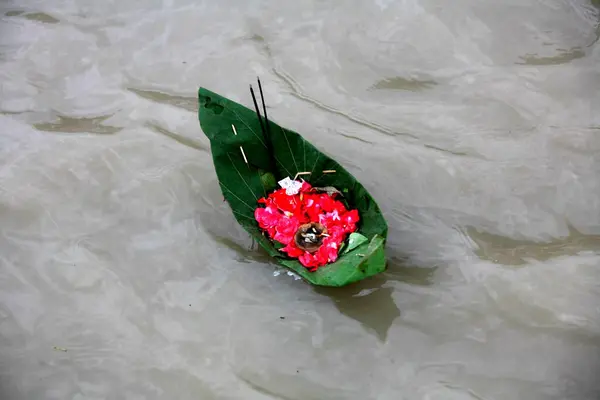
[474,124]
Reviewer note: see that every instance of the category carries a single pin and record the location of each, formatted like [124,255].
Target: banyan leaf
[243,183]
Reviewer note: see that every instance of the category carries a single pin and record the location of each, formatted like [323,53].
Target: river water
[474,124]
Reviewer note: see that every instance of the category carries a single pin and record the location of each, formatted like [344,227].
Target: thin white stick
[301,173]
[244,155]
[241,149]
[329,171]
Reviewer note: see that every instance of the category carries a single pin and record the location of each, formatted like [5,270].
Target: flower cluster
[284,213]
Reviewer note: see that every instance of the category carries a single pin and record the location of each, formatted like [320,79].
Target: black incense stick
[262,127]
[262,98]
[265,130]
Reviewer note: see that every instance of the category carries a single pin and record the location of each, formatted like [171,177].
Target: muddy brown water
[474,124]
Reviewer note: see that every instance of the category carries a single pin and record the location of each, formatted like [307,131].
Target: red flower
[305,187]
[312,261]
[329,204]
[267,218]
[327,253]
[336,233]
[284,202]
[312,206]
[349,220]
[292,250]
[286,229]
[283,214]
[330,249]
[330,218]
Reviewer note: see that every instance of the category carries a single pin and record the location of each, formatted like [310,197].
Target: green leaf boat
[249,164]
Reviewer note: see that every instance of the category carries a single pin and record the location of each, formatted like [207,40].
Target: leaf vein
[236,196]
[315,164]
[290,148]
[242,215]
[241,177]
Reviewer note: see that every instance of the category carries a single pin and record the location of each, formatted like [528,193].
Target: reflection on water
[399,83]
[371,302]
[564,56]
[34,16]
[187,103]
[402,271]
[77,125]
[178,138]
[368,303]
[508,251]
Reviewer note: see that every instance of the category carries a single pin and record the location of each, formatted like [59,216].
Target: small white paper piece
[291,187]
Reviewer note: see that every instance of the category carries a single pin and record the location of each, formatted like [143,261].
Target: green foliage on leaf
[268,181]
[243,184]
[355,239]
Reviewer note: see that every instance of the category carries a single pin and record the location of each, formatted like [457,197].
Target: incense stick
[262,98]
[262,128]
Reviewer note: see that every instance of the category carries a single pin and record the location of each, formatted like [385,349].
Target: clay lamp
[309,237]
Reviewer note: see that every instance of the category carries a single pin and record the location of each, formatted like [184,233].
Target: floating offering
[303,208]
